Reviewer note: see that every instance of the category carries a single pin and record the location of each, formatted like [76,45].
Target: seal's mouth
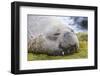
[69,50]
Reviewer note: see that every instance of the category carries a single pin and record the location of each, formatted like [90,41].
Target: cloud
[78,24]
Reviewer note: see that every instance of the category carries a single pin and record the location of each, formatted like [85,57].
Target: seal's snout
[69,43]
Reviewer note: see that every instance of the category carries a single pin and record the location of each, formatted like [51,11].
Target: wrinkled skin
[57,39]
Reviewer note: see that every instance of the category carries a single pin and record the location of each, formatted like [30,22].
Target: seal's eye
[57,34]
[72,30]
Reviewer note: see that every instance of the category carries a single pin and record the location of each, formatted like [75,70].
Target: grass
[83,51]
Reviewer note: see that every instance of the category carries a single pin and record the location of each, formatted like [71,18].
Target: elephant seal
[50,36]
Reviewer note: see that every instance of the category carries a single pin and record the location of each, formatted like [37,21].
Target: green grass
[83,51]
